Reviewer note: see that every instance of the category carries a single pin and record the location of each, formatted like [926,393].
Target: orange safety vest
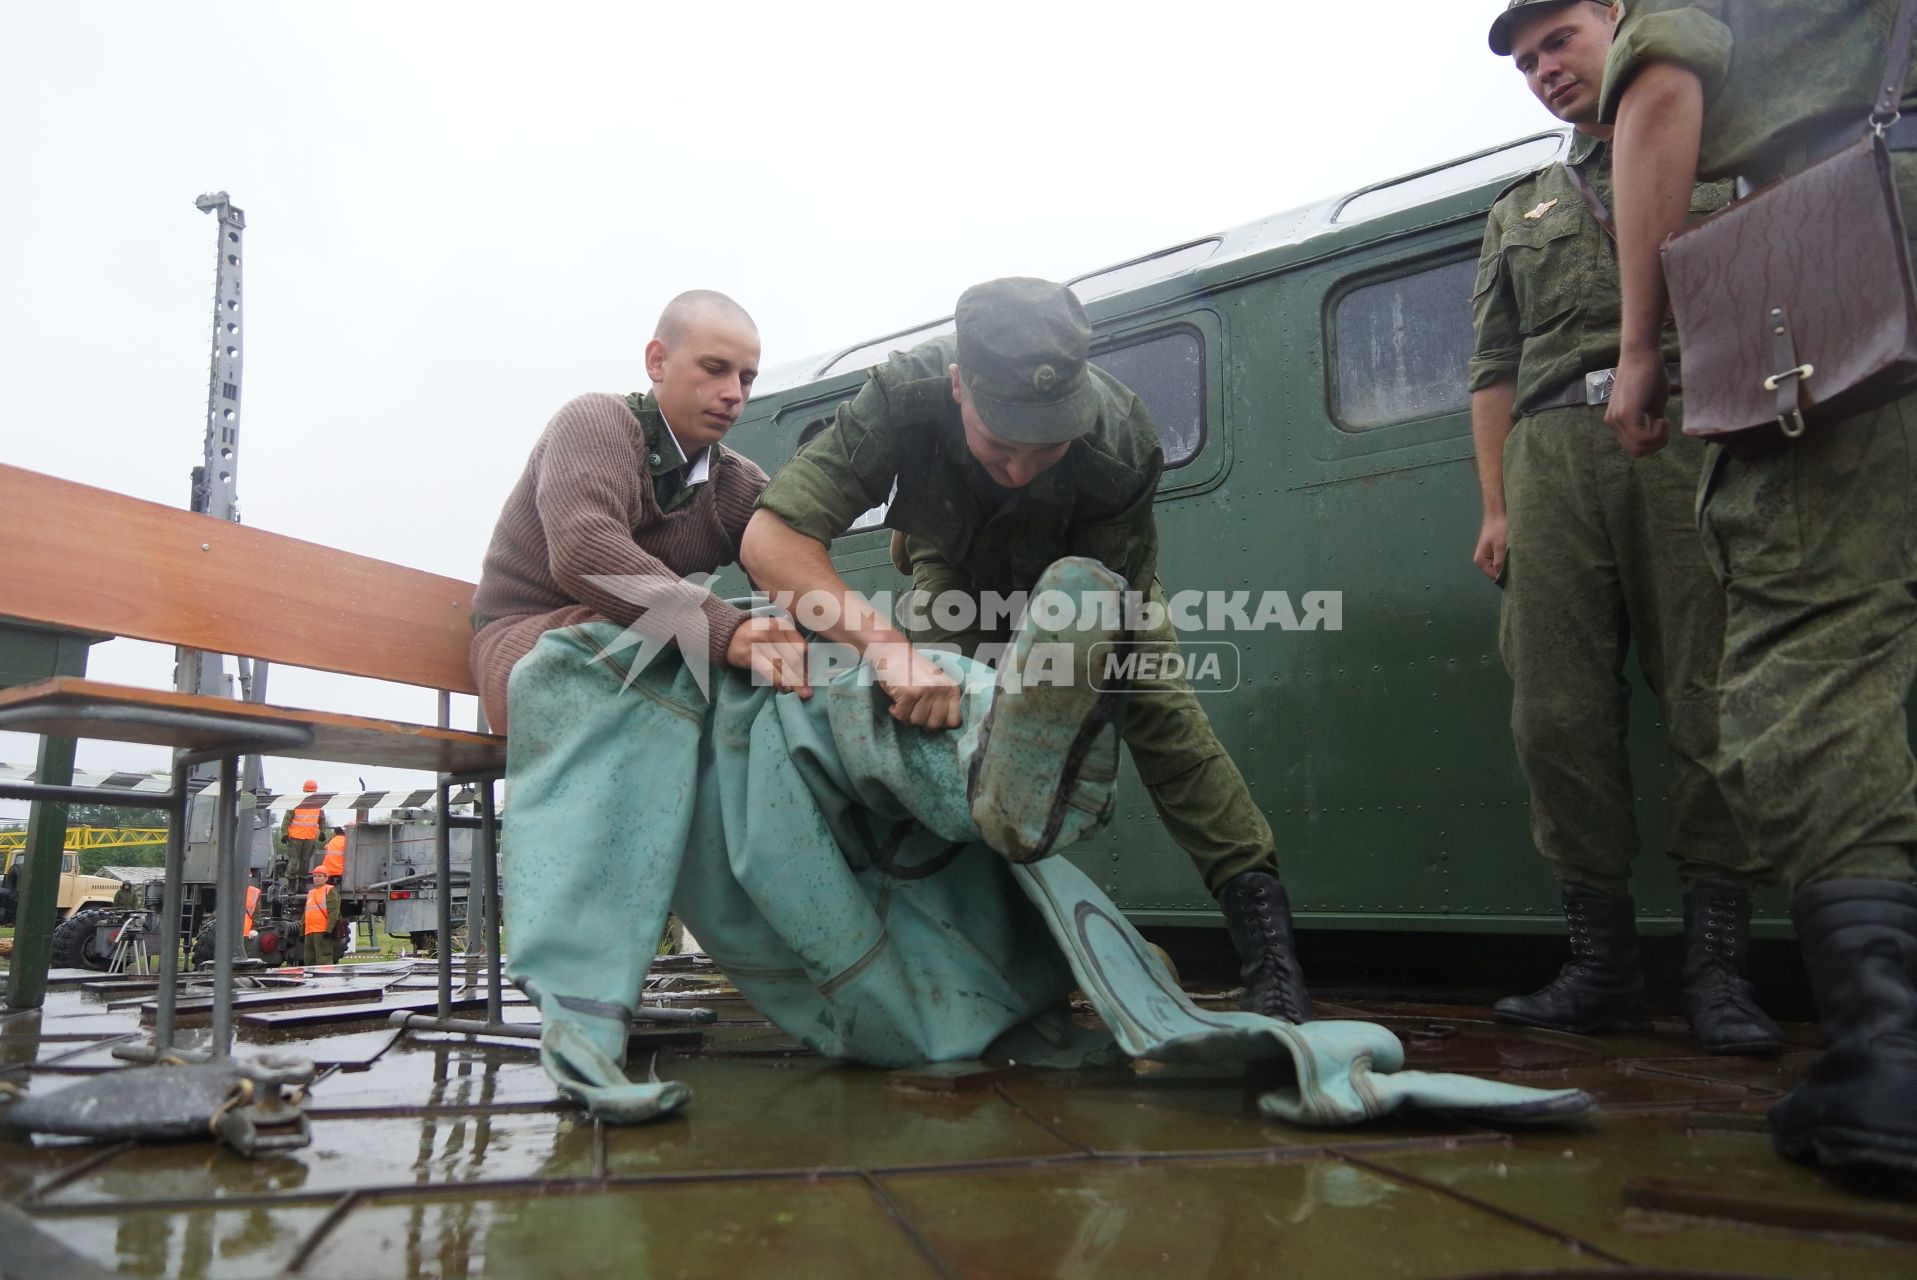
[305,824]
[334,863]
[252,904]
[316,908]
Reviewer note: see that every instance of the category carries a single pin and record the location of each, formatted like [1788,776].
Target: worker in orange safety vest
[250,936]
[334,863]
[303,828]
[322,913]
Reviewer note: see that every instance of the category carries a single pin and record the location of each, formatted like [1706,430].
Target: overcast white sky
[461,215]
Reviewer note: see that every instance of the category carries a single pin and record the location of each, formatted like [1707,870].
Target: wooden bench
[87,563]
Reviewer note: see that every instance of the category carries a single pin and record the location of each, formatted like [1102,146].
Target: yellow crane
[80,839]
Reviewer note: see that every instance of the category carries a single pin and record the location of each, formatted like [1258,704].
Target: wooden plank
[88,559]
[195,1005]
[346,739]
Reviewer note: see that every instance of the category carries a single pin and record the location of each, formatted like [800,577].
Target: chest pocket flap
[1549,261]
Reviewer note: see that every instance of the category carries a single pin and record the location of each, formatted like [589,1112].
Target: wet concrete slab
[809,1114]
[1315,1217]
[205,1243]
[1178,1109]
[1574,1184]
[348,1155]
[27,1165]
[441,1072]
[443,1157]
[794,1229]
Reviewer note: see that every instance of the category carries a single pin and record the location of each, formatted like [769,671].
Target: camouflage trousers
[319,948]
[1604,556]
[1817,545]
[1200,796]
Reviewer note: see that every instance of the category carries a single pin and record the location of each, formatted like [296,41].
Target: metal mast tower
[216,480]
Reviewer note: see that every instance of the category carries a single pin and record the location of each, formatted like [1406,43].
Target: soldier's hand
[922,695]
[774,651]
[1639,399]
[1493,541]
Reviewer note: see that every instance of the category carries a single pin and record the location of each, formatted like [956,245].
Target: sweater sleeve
[587,500]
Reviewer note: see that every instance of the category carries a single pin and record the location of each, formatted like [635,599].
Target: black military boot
[1602,988]
[1719,1002]
[1258,913]
[1858,1105]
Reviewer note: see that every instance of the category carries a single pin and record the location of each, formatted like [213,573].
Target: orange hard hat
[309,785]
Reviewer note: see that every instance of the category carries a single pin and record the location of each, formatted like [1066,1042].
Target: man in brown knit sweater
[622,499]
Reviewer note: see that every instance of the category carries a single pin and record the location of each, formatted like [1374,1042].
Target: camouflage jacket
[1776,73]
[903,428]
[1545,307]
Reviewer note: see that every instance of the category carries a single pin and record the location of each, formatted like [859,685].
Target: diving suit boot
[1043,760]
[1718,1000]
[1857,1108]
[1601,988]
[1258,915]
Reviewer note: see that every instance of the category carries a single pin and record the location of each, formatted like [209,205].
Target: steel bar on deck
[665,1013]
[170,907]
[443,877]
[465,1026]
[225,901]
[489,878]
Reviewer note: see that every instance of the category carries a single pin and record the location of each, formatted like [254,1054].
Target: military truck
[78,891]
[388,875]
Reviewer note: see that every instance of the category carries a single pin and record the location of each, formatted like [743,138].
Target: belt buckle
[1598,384]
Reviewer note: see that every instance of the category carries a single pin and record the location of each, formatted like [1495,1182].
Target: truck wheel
[76,943]
[203,944]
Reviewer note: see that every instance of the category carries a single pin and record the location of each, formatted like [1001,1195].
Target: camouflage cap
[1022,350]
[1514,13]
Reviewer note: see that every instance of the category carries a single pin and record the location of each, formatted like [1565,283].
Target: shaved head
[697,305]
[702,360]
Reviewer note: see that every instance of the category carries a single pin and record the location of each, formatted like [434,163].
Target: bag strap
[1595,202]
[1896,65]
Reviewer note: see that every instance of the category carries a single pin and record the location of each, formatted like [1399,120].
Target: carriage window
[1167,370]
[1400,348]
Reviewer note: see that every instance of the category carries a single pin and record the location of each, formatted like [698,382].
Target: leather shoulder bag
[1795,305]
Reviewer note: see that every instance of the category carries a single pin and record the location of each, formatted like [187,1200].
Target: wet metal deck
[435,1157]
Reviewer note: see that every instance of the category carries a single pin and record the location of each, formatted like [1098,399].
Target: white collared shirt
[699,469]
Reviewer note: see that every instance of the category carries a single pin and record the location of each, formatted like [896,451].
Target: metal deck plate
[434,1156]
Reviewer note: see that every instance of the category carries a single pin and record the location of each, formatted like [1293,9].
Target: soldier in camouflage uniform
[1009,449]
[1591,568]
[1815,540]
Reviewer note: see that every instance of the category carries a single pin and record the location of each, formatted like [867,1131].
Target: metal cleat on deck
[251,1105]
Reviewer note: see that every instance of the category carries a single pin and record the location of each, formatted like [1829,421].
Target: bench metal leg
[40,881]
[226,900]
[443,895]
[489,879]
[170,909]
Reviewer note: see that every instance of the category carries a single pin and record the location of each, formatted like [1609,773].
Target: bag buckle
[1882,122]
[1803,371]
[1792,423]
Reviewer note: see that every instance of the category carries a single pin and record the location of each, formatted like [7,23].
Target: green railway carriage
[1306,374]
